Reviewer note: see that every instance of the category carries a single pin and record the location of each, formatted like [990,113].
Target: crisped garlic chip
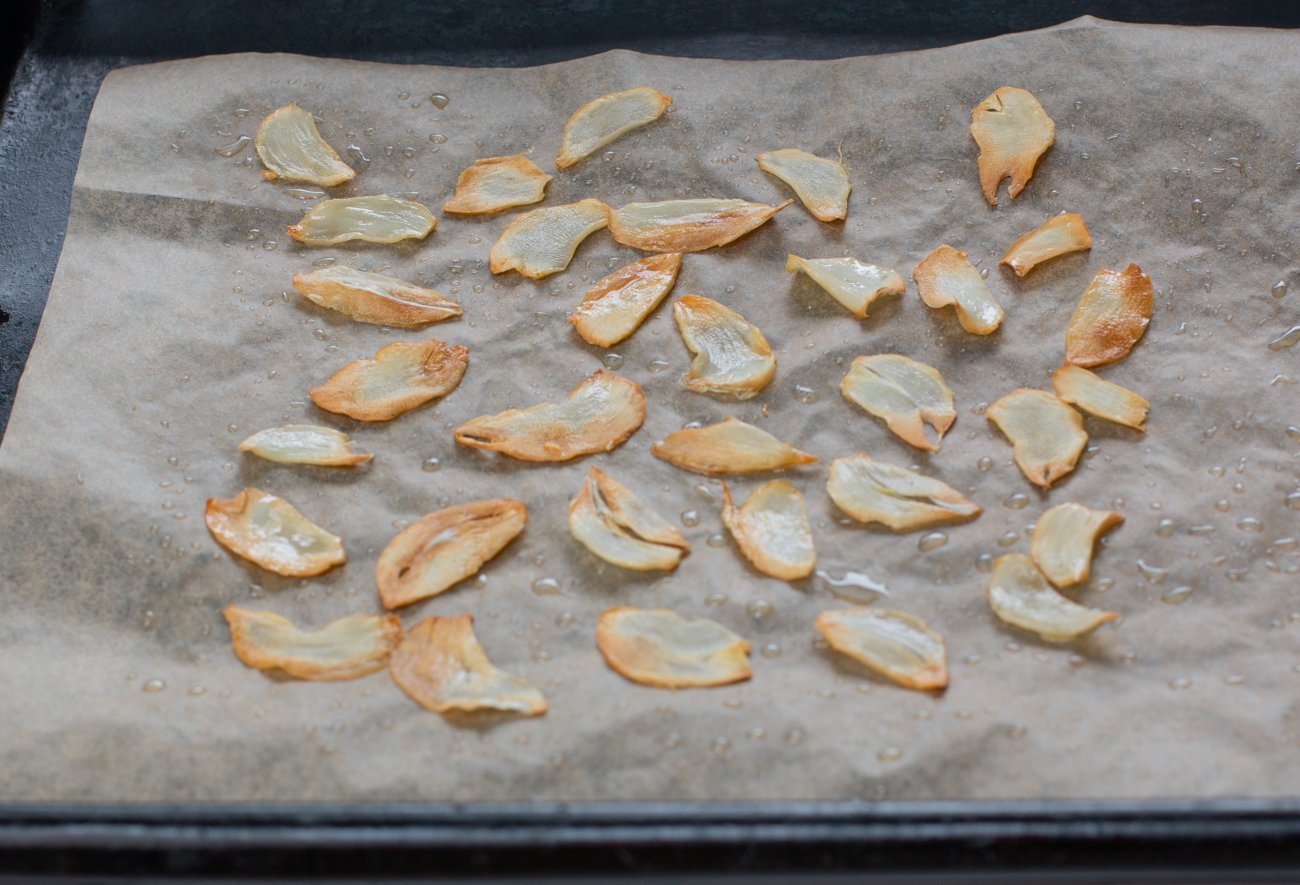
[620,528]
[1101,398]
[1046,435]
[614,307]
[441,666]
[600,413]
[291,147]
[1111,317]
[731,356]
[1063,540]
[402,375]
[772,530]
[849,281]
[945,277]
[1063,234]
[381,219]
[874,491]
[1013,131]
[893,643]
[731,446]
[497,183]
[349,648]
[268,531]
[599,122]
[822,185]
[445,547]
[374,298]
[903,392]
[303,444]
[687,225]
[1020,595]
[661,648]
[542,242]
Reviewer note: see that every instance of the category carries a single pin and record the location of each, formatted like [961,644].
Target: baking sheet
[168,339]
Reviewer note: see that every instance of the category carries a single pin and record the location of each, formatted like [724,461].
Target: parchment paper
[167,340]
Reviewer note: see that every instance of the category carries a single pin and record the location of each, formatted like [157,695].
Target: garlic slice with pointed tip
[893,643]
[402,375]
[874,491]
[1063,540]
[497,183]
[1098,397]
[380,219]
[268,531]
[731,446]
[291,148]
[1060,235]
[772,530]
[661,648]
[1112,315]
[821,185]
[1012,131]
[542,242]
[348,648]
[849,281]
[687,225]
[945,277]
[1020,595]
[1046,435]
[374,298]
[600,121]
[614,307]
[620,528]
[303,444]
[905,393]
[731,356]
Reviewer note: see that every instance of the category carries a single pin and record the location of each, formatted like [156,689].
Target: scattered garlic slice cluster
[604,119]
[620,528]
[402,376]
[304,444]
[374,298]
[945,277]
[1012,131]
[687,225]
[542,242]
[874,491]
[731,446]
[381,219]
[1020,595]
[905,393]
[772,530]
[731,356]
[893,643]
[849,281]
[270,532]
[821,185]
[614,307]
[348,648]
[291,148]
[659,647]
[497,183]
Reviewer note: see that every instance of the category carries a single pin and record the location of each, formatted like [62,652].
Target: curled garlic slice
[402,375]
[1063,541]
[905,393]
[303,444]
[380,219]
[945,277]
[821,185]
[542,242]
[731,446]
[374,298]
[1012,131]
[893,643]
[1098,397]
[731,356]
[614,307]
[661,648]
[849,281]
[687,225]
[291,148]
[348,648]
[874,491]
[268,531]
[1111,317]
[497,183]
[1046,435]
[1020,595]
[772,530]
[604,119]
[1060,235]
[620,528]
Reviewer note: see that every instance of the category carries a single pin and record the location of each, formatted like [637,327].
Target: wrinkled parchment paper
[167,340]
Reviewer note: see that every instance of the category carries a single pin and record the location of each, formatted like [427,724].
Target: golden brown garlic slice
[821,185]
[687,225]
[1013,131]
[772,530]
[303,444]
[945,277]
[497,183]
[661,648]
[380,219]
[604,119]
[614,307]
[268,531]
[542,242]
[1101,398]
[731,356]
[402,375]
[893,643]
[1063,541]
[874,491]
[291,148]
[1020,595]
[1063,234]
[1046,435]
[374,298]
[1111,317]
[620,528]
[905,393]
[849,281]
[731,446]
[348,648]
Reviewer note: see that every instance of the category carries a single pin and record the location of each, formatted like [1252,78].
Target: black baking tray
[53,56]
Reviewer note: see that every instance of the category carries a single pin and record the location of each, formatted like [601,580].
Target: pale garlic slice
[945,277]
[291,148]
[268,531]
[348,648]
[1099,397]
[304,444]
[1012,131]
[875,491]
[600,121]
[402,375]
[614,307]
[730,446]
[905,393]
[1063,540]
[772,530]
[542,242]
[1112,315]
[1046,435]
[497,183]
[893,643]
[659,647]
[1060,235]
[687,225]
[442,548]
[379,219]
[620,528]
[441,666]
[374,298]
[849,281]
[599,414]
[1020,595]
[821,185]
[731,356]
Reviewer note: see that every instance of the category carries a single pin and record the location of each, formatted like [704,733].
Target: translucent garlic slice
[945,277]
[893,643]
[849,281]
[1061,235]
[731,356]
[1012,131]
[374,298]
[821,185]
[604,119]
[1063,540]
[497,183]
[268,531]
[620,528]
[542,242]
[905,393]
[348,648]
[291,148]
[380,219]
[874,491]
[1101,398]
[772,530]
[303,444]
[687,225]
[614,307]
[1111,317]
[402,375]
[661,648]
[1046,435]
[731,446]
[600,413]
[443,548]
[1020,595]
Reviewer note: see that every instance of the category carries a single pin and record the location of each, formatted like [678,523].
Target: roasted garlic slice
[945,277]
[893,643]
[1046,435]
[380,219]
[374,298]
[687,225]
[599,122]
[1020,595]
[1101,398]
[1063,541]
[1013,131]
[291,148]
[731,446]
[1111,317]
[303,444]
[874,491]
[772,530]
[1063,234]
[661,648]
[849,281]
[620,528]
[402,375]
[497,183]
[905,393]
[542,242]
[731,356]
[614,307]
[348,648]
[599,414]
[821,185]
[268,531]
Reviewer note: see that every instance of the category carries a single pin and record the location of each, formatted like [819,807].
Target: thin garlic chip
[614,307]
[1046,435]
[893,643]
[849,281]
[542,242]
[303,444]
[600,414]
[380,219]
[620,528]
[348,648]
[442,548]
[1061,235]
[821,185]
[687,225]
[374,298]
[661,648]
[731,446]
[1111,317]
[1013,131]
[1020,595]
[907,394]
[1101,398]
[1063,541]
[604,119]
[731,356]
[402,375]
[441,666]
[945,277]
[497,183]
[291,148]
[268,531]
[772,530]
[874,491]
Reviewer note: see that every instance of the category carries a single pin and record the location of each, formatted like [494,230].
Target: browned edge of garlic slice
[348,648]
[946,277]
[849,281]
[304,444]
[290,146]
[600,121]
[905,393]
[377,219]
[876,491]
[660,648]
[1020,595]
[1060,235]
[1112,315]
[772,530]
[1046,435]
[542,242]
[497,183]
[270,532]
[893,643]
[687,225]
[730,446]
[374,298]
[402,375]
[620,528]
[617,305]
[1099,397]
[1063,540]
[732,358]
[1012,131]
[822,185]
